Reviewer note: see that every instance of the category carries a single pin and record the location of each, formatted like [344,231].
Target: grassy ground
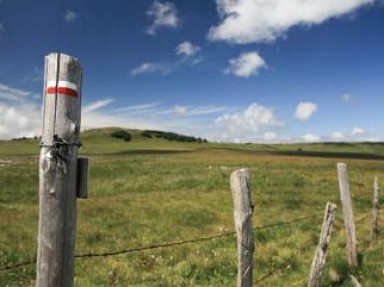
[151,191]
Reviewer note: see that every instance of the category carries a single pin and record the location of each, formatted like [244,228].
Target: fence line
[306,247]
[163,245]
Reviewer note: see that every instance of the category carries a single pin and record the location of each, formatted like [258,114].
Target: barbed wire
[162,245]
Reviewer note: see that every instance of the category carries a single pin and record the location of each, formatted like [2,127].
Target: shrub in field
[122,134]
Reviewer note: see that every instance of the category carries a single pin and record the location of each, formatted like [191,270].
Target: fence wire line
[161,245]
[301,252]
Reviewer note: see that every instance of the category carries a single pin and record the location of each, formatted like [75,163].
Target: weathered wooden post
[318,262]
[349,223]
[375,211]
[242,203]
[58,171]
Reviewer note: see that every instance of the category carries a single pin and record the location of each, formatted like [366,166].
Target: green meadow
[151,191]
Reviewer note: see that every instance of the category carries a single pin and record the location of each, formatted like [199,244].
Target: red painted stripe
[61,90]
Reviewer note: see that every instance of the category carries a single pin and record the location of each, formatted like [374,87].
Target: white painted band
[61,84]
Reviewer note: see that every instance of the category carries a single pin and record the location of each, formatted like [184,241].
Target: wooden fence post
[349,223]
[243,208]
[375,211]
[318,262]
[58,171]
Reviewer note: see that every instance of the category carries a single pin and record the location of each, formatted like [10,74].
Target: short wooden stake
[58,171]
[318,262]
[349,223]
[354,281]
[243,208]
[375,211]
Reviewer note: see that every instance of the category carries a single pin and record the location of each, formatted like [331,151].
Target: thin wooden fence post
[58,171]
[243,209]
[375,211]
[318,262]
[349,223]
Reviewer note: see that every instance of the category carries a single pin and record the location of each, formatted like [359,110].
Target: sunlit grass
[147,192]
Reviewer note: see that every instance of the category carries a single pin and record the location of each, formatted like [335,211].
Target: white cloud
[150,68]
[269,136]
[310,138]
[356,131]
[70,16]
[96,105]
[305,110]
[19,121]
[337,136]
[187,49]
[164,15]
[256,21]
[251,120]
[20,115]
[246,65]
[346,98]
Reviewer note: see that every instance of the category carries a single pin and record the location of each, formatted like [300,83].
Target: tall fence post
[242,203]
[318,262]
[349,223]
[58,171]
[375,211]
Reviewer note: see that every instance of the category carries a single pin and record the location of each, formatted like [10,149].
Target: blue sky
[243,71]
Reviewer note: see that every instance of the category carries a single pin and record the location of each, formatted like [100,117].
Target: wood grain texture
[375,211]
[320,258]
[346,202]
[57,172]
[243,209]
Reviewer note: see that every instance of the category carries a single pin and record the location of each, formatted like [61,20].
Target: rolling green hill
[150,191]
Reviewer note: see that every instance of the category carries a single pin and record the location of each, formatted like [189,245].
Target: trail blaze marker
[62,87]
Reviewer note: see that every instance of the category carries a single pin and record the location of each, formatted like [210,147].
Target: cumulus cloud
[251,120]
[337,136]
[246,65]
[310,138]
[164,15]
[20,114]
[250,21]
[270,136]
[187,49]
[305,110]
[151,68]
[19,121]
[96,105]
[356,131]
[70,16]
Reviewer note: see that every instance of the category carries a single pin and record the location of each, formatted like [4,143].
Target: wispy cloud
[163,15]
[259,21]
[246,65]
[71,16]
[138,108]
[97,105]
[13,94]
[152,68]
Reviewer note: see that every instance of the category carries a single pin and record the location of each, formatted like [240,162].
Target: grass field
[152,191]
